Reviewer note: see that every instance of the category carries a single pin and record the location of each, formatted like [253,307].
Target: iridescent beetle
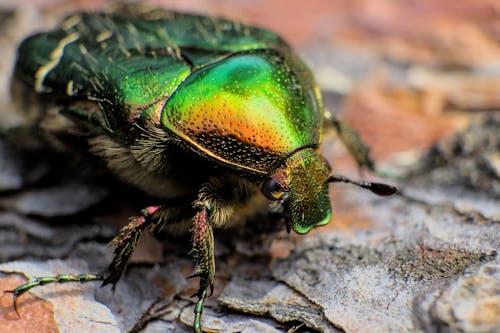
[206,113]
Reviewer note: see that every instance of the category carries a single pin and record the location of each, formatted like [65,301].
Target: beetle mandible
[211,115]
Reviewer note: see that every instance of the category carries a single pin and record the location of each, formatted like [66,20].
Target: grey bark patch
[470,159]
[21,236]
[213,321]
[63,200]
[10,174]
[274,299]
[471,304]
[372,288]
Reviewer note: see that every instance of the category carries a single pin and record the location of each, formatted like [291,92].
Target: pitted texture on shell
[235,93]
[251,110]
[129,63]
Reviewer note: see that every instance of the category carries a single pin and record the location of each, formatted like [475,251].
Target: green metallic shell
[247,110]
[232,92]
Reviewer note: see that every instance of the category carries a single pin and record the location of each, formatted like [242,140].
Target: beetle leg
[125,243]
[350,138]
[203,252]
[154,217]
[40,281]
[215,206]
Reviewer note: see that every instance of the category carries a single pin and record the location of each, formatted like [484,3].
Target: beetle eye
[272,190]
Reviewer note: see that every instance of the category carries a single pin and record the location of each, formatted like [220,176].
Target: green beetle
[215,117]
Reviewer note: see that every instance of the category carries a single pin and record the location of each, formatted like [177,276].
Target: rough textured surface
[469,305]
[473,155]
[271,298]
[423,261]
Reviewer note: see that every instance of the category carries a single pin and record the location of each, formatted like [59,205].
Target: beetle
[213,116]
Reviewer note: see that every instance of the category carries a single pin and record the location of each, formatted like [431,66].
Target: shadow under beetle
[215,117]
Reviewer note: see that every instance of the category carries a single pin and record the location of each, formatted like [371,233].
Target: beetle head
[301,185]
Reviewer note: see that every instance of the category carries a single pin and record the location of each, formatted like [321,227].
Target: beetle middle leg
[126,241]
[154,217]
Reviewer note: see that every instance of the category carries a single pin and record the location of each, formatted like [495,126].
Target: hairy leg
[217,202]
[154,217]
[126,241]
[203,252]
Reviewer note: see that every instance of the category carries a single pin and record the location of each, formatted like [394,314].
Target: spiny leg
[40,281]
[203,252]
[125,243]
[218,201]
[361,153]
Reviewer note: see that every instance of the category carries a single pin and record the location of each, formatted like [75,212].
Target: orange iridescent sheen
[247,102]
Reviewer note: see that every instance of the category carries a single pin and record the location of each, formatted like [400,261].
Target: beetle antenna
[377,188]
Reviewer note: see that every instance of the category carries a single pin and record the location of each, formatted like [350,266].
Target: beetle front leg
[203,251]
[220,200]
[350,138]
